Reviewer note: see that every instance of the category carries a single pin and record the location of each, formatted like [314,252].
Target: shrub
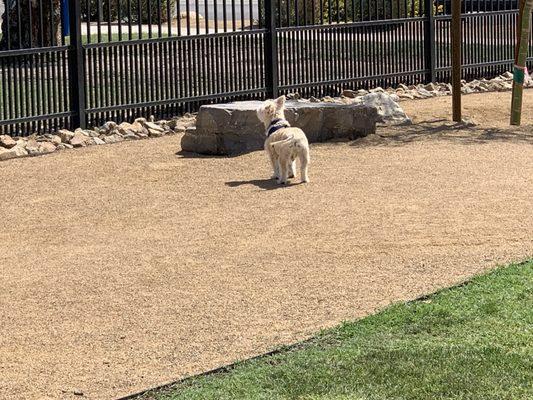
[110,10]
[347,10]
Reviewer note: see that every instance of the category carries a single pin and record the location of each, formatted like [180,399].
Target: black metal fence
[68,63]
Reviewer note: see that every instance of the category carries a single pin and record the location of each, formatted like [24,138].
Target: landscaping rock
[130,136]
[43,138]
[80,140]
[447,88]
[46,147]
[65,135]
[424,92]
[7,141]
[108,127]
[407,95]
[36,148]
[388,110]
[165,125]
[152,128]
[430,87]
[115,138]
[151,125]
[142,135]
[179,128]
[87,132]
[228,129]
[130,131]
[64,146]
[124,128]
[155,133]
[173,123]
[32,147]
[54,139]
[349,93]
[139,129]
[13,152]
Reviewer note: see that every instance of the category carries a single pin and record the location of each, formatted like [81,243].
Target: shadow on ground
[264,184]
[446,131]
[189,154]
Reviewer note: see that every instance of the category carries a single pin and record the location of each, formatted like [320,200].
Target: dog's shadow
[264,184]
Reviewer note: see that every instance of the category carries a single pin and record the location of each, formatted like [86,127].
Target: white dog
[283,143]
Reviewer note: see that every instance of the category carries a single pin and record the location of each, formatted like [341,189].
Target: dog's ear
[280,102]
[270,109]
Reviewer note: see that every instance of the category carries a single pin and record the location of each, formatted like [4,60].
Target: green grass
[474,341]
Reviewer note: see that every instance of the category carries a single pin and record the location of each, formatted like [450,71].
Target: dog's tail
[276,145]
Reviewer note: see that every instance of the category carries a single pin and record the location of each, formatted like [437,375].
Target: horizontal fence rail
[69,63]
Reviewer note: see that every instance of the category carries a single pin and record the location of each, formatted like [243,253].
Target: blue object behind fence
[65,24]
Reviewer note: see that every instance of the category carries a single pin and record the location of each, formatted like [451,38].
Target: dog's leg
[284,164]
[278,167]
[273,161]
[304,164]
[277,172]
[292,170]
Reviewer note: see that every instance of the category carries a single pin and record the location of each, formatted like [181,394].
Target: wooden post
[456,60]
[521,50]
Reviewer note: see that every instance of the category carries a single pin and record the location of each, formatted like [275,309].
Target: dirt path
[127,266]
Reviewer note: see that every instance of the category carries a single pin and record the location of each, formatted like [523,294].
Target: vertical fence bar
[429,41]
[271,50]
[76,66]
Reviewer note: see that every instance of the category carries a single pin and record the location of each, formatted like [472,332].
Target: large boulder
[229,129]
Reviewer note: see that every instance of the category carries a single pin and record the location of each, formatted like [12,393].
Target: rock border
[403,92]
[109,133]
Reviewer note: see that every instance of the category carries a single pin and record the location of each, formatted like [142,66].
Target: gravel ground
[127,266]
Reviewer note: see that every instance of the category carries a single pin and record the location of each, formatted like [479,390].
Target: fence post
[271,50]
[76,66]
[430,42]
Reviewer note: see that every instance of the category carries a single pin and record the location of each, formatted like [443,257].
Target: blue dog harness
[276,125]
